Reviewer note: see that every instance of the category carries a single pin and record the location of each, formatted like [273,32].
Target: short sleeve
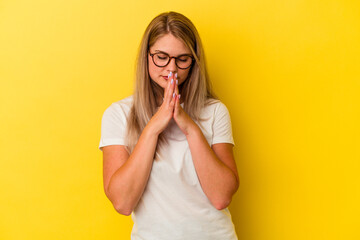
[222,129]
[113,126]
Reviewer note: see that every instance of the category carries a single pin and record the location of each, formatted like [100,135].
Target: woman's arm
[126,176]
[215,167]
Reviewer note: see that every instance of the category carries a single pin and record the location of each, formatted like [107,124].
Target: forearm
[218,181]
[127,184]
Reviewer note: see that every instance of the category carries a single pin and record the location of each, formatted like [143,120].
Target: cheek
[154,73]
[185,75]
[152,70]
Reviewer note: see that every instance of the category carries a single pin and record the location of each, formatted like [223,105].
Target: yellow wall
[287,70]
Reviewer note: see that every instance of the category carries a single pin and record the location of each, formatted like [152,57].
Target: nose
[172,65]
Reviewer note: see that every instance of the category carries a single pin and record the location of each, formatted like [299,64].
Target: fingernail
[170,74]
[179,96]
[175,75]
[172,80]
[177,82]
[173,95]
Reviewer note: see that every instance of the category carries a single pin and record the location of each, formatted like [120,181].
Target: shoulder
[214,107]
[119,109]
[123,105]
[216,122]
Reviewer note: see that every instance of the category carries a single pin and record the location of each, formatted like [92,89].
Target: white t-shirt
[173,205]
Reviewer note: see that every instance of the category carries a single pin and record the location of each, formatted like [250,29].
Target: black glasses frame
[176,58]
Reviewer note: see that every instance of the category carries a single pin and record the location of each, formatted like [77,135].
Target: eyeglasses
[162,59]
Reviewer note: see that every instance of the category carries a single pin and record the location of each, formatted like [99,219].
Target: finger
[168,90]
[177,105]
[171,91]
[177,85]
[172,86]
[173,100]
[173,80]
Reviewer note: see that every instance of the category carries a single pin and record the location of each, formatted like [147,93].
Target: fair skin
[126,176]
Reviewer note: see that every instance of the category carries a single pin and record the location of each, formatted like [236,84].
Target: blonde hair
[195,90]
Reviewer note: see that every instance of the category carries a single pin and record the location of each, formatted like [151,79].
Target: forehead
[171,45]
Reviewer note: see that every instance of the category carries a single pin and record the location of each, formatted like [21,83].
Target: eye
[161,56]
[183,58]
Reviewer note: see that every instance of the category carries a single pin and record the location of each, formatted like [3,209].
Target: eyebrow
[169,54]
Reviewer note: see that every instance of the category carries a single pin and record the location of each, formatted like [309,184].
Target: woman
[167,150]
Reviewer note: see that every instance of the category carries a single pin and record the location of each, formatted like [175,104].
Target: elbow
[118,205]
[122,210]
[223,201]
[222,204]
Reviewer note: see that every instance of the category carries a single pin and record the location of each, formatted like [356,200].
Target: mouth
[165,77]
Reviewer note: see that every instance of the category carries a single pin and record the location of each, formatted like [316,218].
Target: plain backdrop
[288,71]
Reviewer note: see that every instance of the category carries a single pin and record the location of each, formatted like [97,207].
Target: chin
[161,83]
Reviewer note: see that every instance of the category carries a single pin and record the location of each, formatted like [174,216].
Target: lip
[165,77]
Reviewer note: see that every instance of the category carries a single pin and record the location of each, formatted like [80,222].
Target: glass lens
[161,59]
[183,61]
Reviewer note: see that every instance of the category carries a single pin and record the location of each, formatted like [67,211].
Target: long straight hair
[195,90]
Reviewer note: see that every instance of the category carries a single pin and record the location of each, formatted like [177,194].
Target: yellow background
[289,72]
